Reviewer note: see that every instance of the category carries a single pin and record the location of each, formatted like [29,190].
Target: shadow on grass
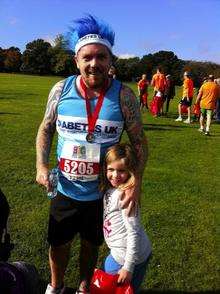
[16,96]
[162,127]
[11,113]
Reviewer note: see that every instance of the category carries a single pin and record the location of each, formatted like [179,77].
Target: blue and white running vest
[79,160]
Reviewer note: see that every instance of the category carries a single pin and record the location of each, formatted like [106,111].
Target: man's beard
[96,83]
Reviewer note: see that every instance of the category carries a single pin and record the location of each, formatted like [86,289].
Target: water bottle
[53,179]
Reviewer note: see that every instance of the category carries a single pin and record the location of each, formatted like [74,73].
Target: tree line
[41,58]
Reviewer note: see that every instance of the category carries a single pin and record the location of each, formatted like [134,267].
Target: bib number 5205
[78,167]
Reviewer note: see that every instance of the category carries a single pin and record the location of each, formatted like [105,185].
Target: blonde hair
[114,153]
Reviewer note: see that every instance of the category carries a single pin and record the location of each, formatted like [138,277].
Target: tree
[62,59]
[12,61]
[36,57]
[2,58]
[127,68]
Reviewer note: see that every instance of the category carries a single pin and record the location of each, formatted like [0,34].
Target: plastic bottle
[53,179]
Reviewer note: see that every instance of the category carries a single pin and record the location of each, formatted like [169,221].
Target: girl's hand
[124,276]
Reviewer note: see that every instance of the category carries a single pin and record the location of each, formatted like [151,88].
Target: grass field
[180,197]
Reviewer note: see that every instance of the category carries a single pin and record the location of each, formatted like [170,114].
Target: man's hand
[130,197]
[124,276]
[42,177]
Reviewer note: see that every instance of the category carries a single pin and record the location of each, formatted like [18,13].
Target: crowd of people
[206,105]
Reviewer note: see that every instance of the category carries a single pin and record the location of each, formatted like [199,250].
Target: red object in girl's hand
[104,283]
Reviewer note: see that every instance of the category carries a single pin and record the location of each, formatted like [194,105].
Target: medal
[92,116]
[90,137]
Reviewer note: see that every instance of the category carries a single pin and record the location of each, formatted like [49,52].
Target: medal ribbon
[92,117]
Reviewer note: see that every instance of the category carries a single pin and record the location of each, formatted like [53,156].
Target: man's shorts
[69,217]
[186,102]
[206,111]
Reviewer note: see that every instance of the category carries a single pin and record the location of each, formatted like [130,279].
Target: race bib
[80,161]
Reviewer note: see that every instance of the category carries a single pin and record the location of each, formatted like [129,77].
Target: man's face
[93,62]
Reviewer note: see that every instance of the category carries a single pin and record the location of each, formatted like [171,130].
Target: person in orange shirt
[142,91]
[159,83]
[187,97]
[217,117]
[208,94]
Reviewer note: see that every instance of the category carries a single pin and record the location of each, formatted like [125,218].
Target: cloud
[175,36]
[126,56]
[13,21]
[203,48]
[151,46]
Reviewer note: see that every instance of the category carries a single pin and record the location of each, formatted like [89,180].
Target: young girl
[129,246]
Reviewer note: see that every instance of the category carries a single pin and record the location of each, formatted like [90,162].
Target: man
[112,72]
[187,97]
[208,94]
[217,81]
[142,91]
[90,112]
[159,83]
[169,92]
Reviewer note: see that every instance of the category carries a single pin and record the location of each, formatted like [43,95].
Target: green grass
[180,196]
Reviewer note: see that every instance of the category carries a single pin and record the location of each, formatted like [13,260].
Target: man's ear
[76,61]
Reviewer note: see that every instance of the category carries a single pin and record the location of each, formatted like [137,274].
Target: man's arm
[199,96]
[45,135]
[153,81]
[134,129]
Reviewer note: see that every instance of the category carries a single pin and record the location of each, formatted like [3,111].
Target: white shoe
[187,121]
[52,290]
[201,130]
[179,118]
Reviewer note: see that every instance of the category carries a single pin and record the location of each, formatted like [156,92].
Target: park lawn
[180,195]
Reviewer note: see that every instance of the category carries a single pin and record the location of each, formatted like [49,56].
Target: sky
[189,28]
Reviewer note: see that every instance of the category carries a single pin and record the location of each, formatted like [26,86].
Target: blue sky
[189,28]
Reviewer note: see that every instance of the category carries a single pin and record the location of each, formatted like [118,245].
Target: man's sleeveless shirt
[79,161]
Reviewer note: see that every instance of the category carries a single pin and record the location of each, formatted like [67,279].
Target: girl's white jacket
[124,235]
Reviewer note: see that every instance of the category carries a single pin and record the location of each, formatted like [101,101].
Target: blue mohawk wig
[89,25]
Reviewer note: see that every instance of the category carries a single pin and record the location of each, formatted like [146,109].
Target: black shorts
[69,217]
[184,101]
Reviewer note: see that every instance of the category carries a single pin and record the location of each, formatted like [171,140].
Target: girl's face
[117,174]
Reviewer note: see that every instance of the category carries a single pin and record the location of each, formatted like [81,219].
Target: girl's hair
[114,153]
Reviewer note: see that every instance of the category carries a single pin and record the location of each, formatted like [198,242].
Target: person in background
[159,83]
[130,248]
[187,97]
[90,111]
[169,92]
[208,94]
[112,72]
[217,81]
[143,91]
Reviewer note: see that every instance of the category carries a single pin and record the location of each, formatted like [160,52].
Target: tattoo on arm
[133,126]
[48,126]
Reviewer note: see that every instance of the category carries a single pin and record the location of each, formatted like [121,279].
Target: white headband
[92,38]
